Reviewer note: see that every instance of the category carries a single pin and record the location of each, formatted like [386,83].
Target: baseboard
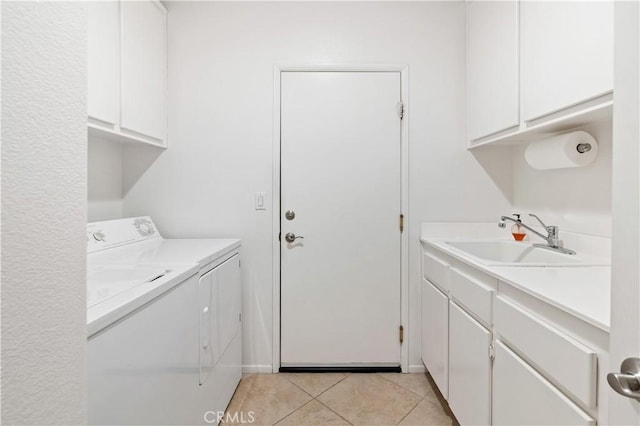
[418,368]
[253,369]
[378,369]
[267,369]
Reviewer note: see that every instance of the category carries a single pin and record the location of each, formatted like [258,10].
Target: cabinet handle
[205,329]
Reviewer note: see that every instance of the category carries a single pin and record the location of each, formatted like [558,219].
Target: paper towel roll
[575,149]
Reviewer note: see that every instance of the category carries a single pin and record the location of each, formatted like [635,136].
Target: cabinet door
[469,369]
[521,396]
[103,54]
[435,332]
[143,69]
[492,67]
[567,54]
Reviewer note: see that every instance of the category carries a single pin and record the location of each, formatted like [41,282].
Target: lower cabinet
[500,359]
[469,368]
[435,333]
[521,396]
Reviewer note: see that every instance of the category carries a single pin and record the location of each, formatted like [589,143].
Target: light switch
[260,201]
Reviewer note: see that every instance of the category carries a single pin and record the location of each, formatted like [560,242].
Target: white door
[435,335]
[469,368]
[625,283]
[340,176]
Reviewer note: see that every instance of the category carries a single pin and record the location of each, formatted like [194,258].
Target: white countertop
[582,291]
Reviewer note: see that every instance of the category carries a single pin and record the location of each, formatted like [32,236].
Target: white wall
[44,137]
[104,179]
[576,199]
[221,58]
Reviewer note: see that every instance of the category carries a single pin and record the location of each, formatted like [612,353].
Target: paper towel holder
[583,147]
[572,149]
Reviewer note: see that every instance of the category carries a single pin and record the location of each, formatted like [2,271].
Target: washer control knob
[144,227]
[99,236]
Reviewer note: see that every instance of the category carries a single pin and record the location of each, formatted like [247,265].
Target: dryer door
[208,323]
[228,301]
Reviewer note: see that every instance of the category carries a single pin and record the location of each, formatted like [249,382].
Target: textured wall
[44,200]
[221,58]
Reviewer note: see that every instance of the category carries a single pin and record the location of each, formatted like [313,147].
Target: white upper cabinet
[143,68]
[103,61]
[567,54]
[127,62]
[492,60]
[537,67]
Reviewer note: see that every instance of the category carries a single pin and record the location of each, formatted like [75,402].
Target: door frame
[403,69]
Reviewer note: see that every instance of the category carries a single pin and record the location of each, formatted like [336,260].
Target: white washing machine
[164,322]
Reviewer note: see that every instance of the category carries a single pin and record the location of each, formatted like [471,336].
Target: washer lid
[105,282]
[114,291]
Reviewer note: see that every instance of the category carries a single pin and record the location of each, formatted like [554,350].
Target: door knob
[291,237]
[627,382]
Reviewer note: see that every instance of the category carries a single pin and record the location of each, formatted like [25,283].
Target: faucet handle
[539,220]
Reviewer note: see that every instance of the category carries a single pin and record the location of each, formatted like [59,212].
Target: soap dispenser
[517,230]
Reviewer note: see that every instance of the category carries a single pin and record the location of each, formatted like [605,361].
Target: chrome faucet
[552,237]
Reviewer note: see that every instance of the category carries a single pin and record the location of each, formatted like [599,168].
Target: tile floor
[317,399]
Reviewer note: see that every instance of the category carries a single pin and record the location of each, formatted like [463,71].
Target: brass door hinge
[401,223]
[401,334]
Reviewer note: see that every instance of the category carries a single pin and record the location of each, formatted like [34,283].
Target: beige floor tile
[315,383]
[435,392]
[313,414]
[270,397]
[369,399]
[416,383]
[427,413]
